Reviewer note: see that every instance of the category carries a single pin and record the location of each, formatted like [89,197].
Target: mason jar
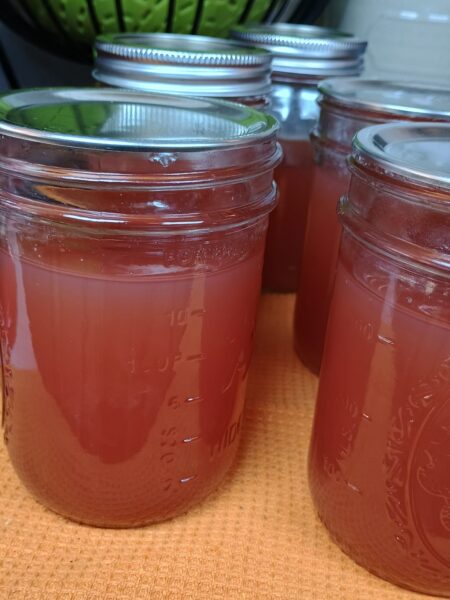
[127,220]
[191,65]
[302,56]
[346,106]
[379,461]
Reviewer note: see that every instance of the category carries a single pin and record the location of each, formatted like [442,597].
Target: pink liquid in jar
[379,457]
[285,237]
[329,181]
[124,394]
[347,105]
[129,281]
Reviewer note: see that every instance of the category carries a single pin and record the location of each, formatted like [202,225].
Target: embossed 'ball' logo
[445,517]
[430,482]
[434,473]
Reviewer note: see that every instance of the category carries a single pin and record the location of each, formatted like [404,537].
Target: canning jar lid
[416,152]
[181,64]
[390,97]
[306,49]
[116,119]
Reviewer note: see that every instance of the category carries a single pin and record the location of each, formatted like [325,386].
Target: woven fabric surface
[256,538]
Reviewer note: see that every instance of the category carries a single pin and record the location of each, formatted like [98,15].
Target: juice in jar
[125,393]
[329,181]
[303,55]
[287,222]
[378,465]
[123,376]
[379,457]
[347,105]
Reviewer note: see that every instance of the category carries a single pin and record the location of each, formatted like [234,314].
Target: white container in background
[408,39]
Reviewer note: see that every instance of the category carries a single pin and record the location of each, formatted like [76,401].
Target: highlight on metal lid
[306,49]
[177,63]
[317,42]
[178,48]
[417,152]
[393,97]
[118,119]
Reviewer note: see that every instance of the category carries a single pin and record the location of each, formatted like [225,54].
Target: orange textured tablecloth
[256,538]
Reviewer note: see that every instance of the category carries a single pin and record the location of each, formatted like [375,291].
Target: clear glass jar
[126,220]
[191,65]
[346,106]
[302,56]
[379,458]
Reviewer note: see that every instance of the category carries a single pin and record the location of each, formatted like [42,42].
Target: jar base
[306,361]
[124,524]
[133,519]
[398,582]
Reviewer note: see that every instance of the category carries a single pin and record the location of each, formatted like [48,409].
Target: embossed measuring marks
[172,442]
[183,451]
[355,416]
[169,447]
[174,439]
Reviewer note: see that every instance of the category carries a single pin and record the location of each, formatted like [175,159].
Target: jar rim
[403,98]
[416,152]
[396,248]
[139,224]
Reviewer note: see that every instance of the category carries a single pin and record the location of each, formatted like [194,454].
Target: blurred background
[48,42]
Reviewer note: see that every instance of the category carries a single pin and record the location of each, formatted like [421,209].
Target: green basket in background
[79,21]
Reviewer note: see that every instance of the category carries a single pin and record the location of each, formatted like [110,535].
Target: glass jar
[346,106]
[379,458]
[126,220]
[302,56]
[190,65]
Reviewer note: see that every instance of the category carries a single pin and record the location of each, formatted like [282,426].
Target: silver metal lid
[184,64]
[418,152]
[126,120]
[306,49]
[391,97]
